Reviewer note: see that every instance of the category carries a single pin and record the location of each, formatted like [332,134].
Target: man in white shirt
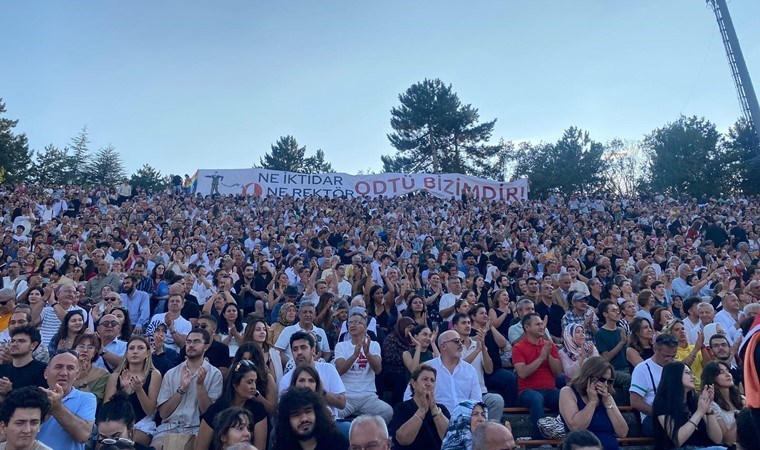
[646,377]
[448,300]
[475,353]
[302,346]
[306,313]
[358,361]
[14,280]
[178,327]
[729,316]
[457,381]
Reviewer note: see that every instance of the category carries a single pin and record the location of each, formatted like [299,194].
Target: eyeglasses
[113,441]
[202,326]
[110,323]
[605,380]
[82,347]
[456,341]
[356,322]
[112,299]
[5,302]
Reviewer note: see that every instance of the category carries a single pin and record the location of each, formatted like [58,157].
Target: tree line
[433,131]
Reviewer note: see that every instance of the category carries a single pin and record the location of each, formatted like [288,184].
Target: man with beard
[137,302]
[72,412]
[302,345]
[303,423]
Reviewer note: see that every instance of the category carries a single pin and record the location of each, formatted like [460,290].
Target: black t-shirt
[191,310]
[334,442]
[32,374]
[218,354]
[256,408]
[427,437]
[247,299]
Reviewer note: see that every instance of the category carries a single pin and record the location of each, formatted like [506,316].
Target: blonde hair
[148,364]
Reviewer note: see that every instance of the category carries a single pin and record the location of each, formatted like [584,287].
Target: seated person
[587,403]
[233,429]
[646,378]
[581,440]
[72,412]
[304,423]
[21,414]
[493,435]
[115,422]
[23,370]
[164,358]
[420,422]
[467,416]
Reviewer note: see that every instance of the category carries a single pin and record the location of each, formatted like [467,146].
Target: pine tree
[51,167]
[105,168]
[317,163]
[15,156]
[149,178]
[78,157]
[286,155]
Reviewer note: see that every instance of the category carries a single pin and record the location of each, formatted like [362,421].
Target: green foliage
[434,132]
[52,166]
[78,158]
[740,145]
[105,168]
[15,156]
[287,155]
[317,163]
[685,157]
[572,165]
[149,179]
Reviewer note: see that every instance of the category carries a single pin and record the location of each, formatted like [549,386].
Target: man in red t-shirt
[536,362]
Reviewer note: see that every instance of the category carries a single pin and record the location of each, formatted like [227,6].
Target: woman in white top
[257,331]
[576,350]
[728,400]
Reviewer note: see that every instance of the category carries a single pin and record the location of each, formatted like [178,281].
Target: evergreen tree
[105,168]
[149,179]
[15,156]
[286,155]
[744,166]
[317,163]
[572,165]
[78,157]
[434,132]
[51,167]
[685,157]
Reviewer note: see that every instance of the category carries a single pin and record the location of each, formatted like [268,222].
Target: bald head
[492,436]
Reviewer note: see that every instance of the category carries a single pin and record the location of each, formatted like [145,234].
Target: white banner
[262,182]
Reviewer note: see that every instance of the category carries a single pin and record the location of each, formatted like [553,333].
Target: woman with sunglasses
[588,403]
[683,419]
[239,390]
[72,325]
[115,423]
[90,378]
[138,380]
[265,382]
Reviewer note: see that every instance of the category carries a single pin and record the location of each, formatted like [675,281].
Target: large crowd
[174,320]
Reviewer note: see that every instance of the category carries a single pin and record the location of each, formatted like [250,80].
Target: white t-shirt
[447,301]
[360,378]
[181,326]
[328,374]
[233,345]
[644,380]
[477,363]
[283,342]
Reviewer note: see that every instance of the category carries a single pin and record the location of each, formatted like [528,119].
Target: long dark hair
[709,373]
[371,303]
[222,326]
[669,401]
[635,342]
[230,418]
[126,328]
[63,330]
[310,370]
[235,375]
[257,358]
[295,399]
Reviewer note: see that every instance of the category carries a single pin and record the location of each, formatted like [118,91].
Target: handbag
[552,427]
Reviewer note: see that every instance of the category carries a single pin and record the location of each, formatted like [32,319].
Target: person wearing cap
[358,362]
[646,378]
[581,314]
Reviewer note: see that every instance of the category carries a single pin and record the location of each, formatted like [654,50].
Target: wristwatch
[438,411]
[180,391]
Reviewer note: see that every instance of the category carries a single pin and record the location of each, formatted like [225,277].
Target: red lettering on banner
[511,193]
[362,188]
[379,187]
[428,182]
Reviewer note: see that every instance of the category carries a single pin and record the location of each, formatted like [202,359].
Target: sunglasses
[6,302]
[112,299]
[607,381]
[114,441]
[110,323]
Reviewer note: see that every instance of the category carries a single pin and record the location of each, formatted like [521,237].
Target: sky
[185,85]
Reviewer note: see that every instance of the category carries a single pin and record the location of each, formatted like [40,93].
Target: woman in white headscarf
[577,349]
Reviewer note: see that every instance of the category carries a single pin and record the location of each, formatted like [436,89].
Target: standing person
[682,418]
[21,414]
[139,382]
[587,403]
[646,379]
[358,362]
[611,342]
[420,422]
[537,364]
[72,412]
[187,390]
[239,391]
[303,423]
[23,370]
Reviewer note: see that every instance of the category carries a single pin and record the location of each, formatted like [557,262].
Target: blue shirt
[82,405]
[138,306]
